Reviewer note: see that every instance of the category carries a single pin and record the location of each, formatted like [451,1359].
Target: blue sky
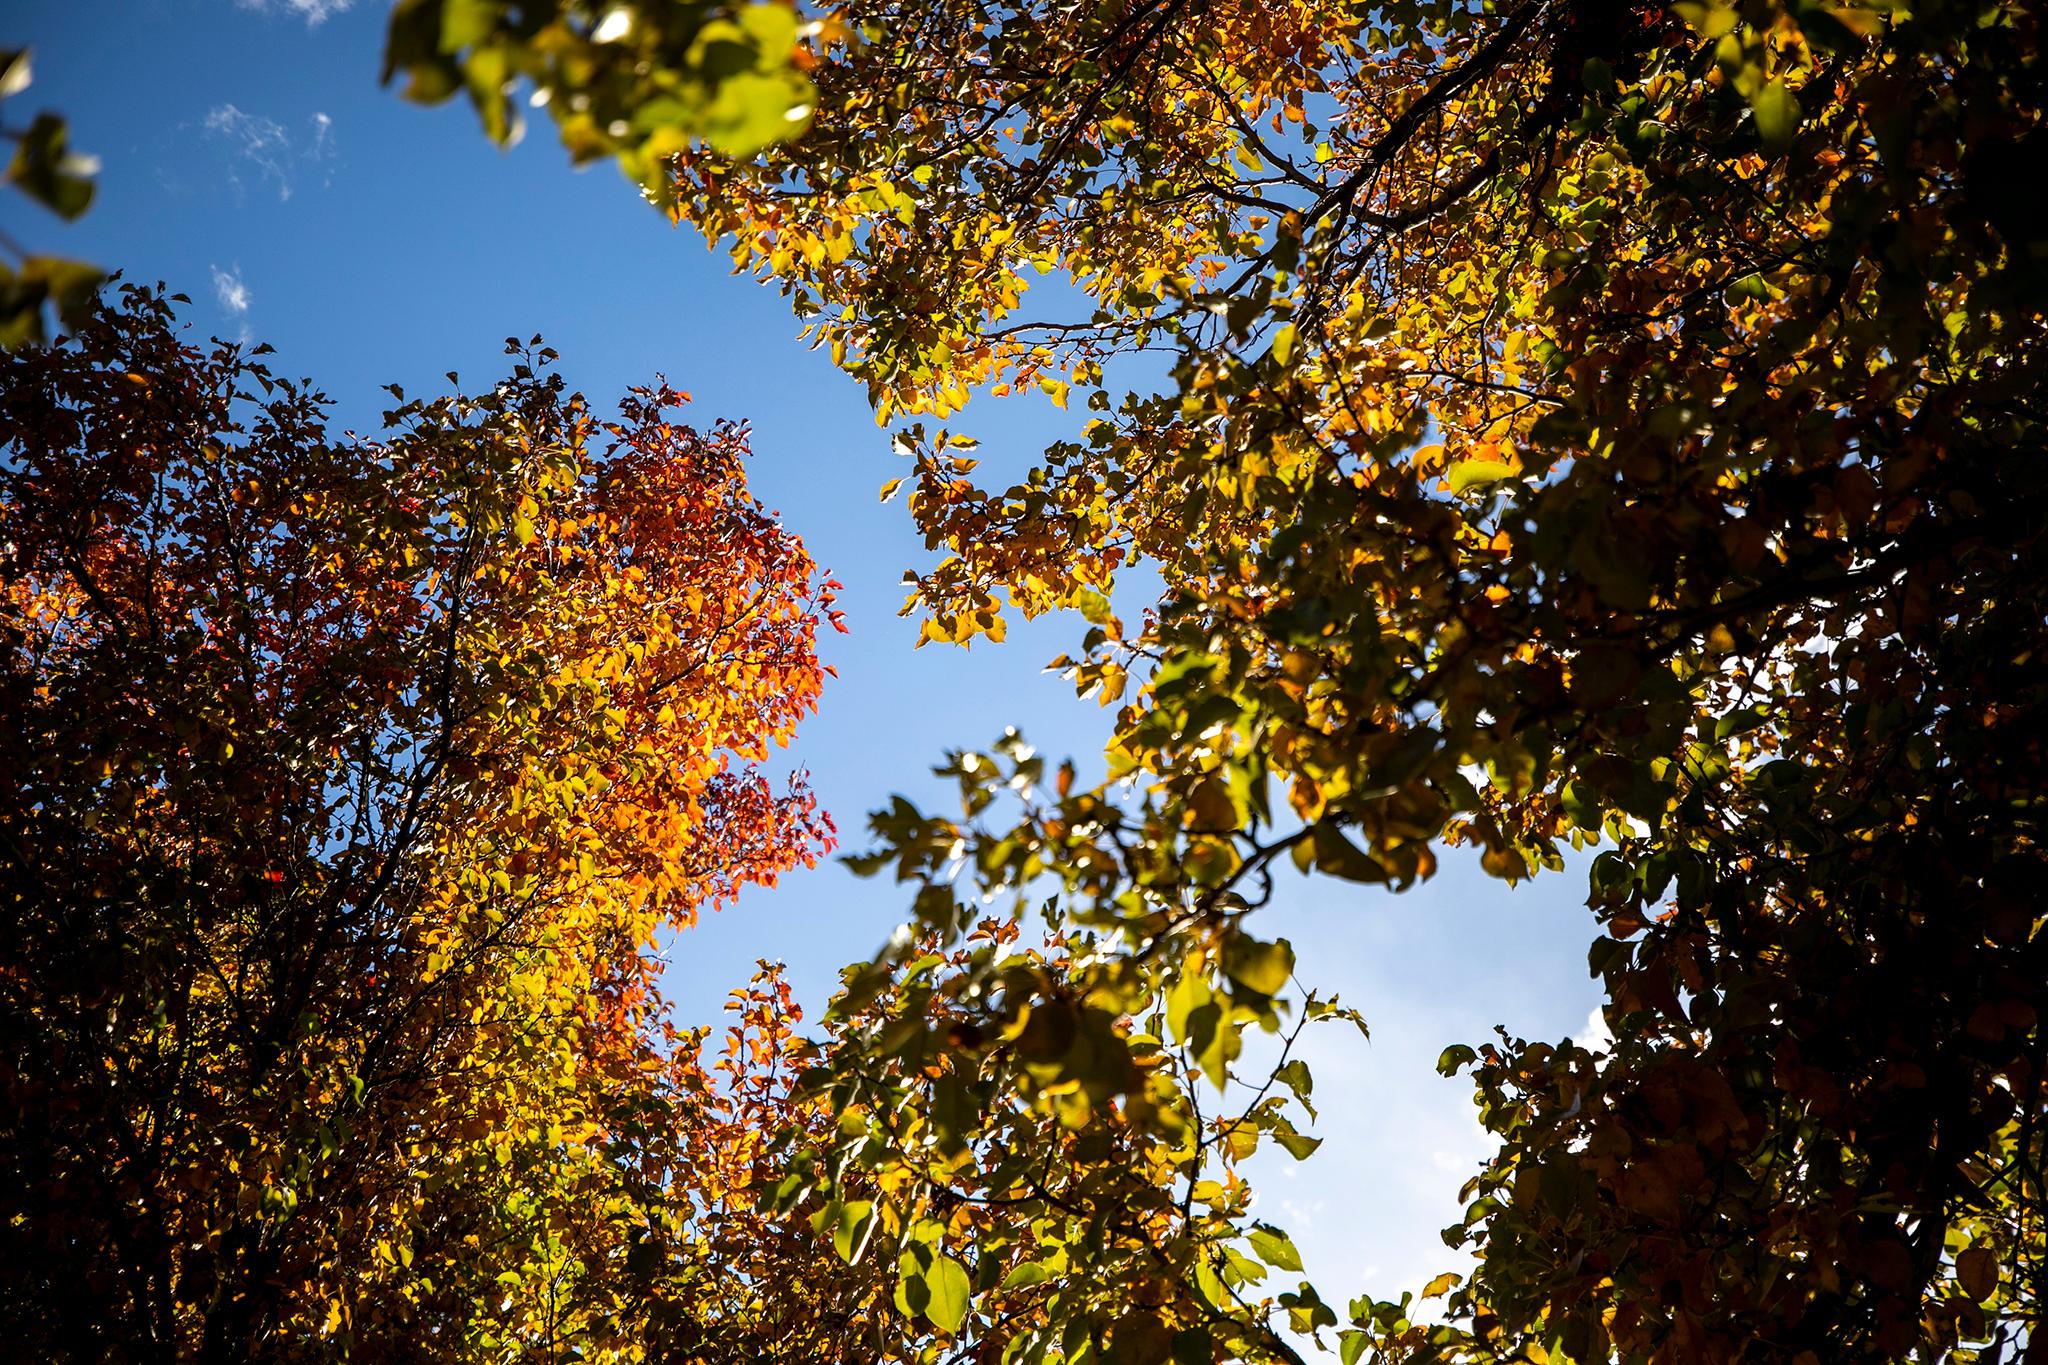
[251,161]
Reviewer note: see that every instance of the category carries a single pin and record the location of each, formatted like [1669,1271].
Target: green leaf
[949,1286]
[773,29]
[1262,967]
[1298,1145]
[1189,992]
[1209,1284]
[1579,808]
[1295,1076]
[1025,1274]
[1306,1312]
[1776,111]
[1215,1042]
[1351,1344]
[72,286]
[753,109]
[638,92]
[464,23]
[913,1294]
[47,171]
[1274,1248]
[850,1235]
[1241,1268]
[1708,20]
[1339,857]
[1740,722]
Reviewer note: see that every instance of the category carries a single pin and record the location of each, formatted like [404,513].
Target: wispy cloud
[1298,1217]
[234,294]
[260,147]
[314,12]
[235,298]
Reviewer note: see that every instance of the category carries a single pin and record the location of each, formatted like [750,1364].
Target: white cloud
[257,142]
[234,296]
[314,12]
[1301,1218]
[265,148]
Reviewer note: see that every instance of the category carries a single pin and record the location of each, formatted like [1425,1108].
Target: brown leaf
[1977,1272]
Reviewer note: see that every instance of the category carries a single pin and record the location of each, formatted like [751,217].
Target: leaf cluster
[43,168]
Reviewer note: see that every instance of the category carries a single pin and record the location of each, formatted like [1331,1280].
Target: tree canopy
[1590,434]
[1585,437]
[348,782]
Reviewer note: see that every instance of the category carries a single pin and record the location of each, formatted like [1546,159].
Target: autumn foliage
[348,783]
[1595,435]
[1587,437]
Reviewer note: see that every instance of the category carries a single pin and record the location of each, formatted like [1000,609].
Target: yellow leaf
[1441,1285]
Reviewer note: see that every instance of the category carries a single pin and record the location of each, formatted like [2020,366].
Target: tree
[1583,426]
[347,786]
